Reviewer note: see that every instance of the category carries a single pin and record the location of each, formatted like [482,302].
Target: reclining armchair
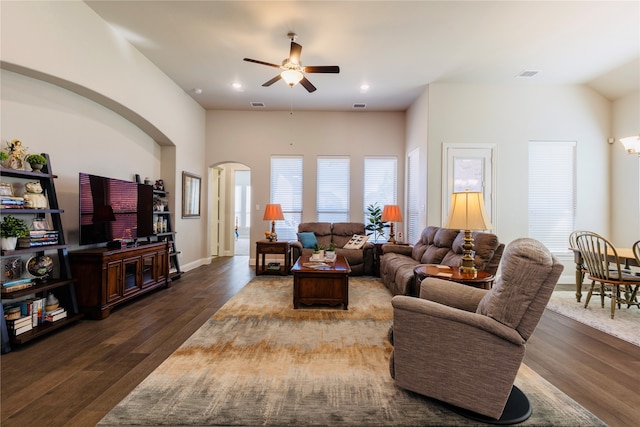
[464,345]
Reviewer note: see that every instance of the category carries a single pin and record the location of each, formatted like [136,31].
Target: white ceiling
[398,48]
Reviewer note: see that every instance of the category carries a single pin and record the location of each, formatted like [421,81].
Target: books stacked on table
[16,285]
[38,238]
[11,202]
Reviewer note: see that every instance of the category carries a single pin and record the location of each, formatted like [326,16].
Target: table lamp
[273,213]
[391,213]
[467,213]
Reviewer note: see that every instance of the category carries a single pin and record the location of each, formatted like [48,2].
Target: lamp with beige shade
[467,213]
[391,213]
[273,213]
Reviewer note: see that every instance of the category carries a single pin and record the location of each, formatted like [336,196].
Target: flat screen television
[114,209]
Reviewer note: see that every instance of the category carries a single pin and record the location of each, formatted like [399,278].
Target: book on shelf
[16,285]
[57,316]
[18,323]
[22,329]
[16,282]
[273,266]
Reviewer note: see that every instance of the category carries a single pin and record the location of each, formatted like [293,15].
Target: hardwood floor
[75,376]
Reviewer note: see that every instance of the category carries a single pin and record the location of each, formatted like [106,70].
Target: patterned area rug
[624,325]
[258,361]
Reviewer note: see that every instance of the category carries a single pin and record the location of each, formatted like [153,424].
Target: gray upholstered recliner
[463,345]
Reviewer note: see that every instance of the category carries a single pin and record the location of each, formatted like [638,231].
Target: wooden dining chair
[604,269]
[636,251]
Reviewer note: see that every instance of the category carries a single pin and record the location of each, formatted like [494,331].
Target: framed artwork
[190,195]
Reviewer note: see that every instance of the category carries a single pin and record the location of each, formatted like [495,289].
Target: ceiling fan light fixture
[631,144]
[292,77]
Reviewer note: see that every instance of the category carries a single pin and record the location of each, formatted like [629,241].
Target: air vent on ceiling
[527,74]
[359,106]
[257,104]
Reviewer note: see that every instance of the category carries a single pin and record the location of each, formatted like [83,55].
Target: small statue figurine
[159,185]
[33,198]
[17,153]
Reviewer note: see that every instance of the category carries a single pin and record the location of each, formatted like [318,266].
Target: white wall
[74,88]
[625,183]
[252,137]
[510,117]
[417,125]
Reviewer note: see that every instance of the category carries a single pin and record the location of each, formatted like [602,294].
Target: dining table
[624,255]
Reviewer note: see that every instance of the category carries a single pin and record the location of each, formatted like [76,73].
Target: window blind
[413,208]
[380,182]
[552,193]
[286,189]
[332,195]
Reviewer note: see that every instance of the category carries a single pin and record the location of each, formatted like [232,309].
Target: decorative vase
[9,243]
[36,167]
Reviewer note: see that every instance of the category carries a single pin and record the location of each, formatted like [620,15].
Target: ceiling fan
[292,69]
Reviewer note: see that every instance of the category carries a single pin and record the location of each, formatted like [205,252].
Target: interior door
[469,166]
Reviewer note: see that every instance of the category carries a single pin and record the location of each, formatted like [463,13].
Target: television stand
[110,277]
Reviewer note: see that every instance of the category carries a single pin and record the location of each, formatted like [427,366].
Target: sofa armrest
[452,294]
[434,316]
[296,250]
[398,249]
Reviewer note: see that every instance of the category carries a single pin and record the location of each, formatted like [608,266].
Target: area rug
[624,325]
[258,361]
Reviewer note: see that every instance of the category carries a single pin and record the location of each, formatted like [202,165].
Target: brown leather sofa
[437,245]
[339,233]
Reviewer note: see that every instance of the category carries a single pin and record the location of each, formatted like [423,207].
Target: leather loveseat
[339,233]
[437,245]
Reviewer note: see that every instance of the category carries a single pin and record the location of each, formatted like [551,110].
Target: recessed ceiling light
[197,91]
[237,86]
[364,87]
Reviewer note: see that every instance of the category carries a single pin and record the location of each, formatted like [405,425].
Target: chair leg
[586,301]
[603,290]
[614,299]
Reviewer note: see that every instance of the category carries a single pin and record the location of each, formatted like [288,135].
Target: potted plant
[3,158]
[318,252]
[375,225]
[12,228]
[36,161]
[330,252]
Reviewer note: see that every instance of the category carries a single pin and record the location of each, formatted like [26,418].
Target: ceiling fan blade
[261,62]
[322,69]
[272,81]
[307,85]
[294,53]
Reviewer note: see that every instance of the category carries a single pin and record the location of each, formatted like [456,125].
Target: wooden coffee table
[481,279]
[323,285]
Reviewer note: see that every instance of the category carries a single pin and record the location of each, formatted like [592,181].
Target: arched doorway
[230,209]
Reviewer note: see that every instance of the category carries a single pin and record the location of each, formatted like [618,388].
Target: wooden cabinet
[109,277]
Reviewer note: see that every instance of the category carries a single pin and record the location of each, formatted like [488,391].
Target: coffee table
[327,284]
[481,279]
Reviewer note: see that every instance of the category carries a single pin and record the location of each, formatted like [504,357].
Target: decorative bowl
[40,267]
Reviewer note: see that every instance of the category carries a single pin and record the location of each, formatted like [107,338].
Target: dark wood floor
[75,376]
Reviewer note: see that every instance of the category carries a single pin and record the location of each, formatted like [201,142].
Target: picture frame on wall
[191,185]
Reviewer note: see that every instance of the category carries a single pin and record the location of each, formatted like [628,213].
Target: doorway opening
[230,218]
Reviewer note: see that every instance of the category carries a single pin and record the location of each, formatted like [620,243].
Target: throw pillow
[356,242]
[308,239]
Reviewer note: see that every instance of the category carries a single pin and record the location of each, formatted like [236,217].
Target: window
[380,182]
[552,193]
[286,189]
[413,209]
[332,194]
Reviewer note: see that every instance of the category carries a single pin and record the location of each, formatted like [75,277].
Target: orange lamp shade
[391,213]
[273,212]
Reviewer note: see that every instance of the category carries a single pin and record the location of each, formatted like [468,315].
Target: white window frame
[286,188]
[378,171]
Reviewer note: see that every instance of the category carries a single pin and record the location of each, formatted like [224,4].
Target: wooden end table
[266,247]
[323,285]
[481,279]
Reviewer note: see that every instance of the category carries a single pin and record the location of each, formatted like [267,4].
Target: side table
[266,247]
[481,279]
